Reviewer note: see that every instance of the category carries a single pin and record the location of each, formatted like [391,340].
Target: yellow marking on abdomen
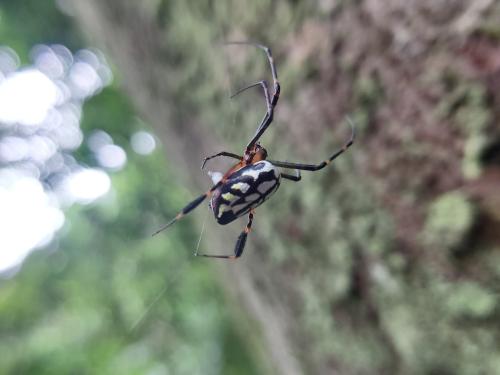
[228,196]
[223,208]
[241,186]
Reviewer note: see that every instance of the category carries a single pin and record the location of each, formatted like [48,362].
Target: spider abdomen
[245,189]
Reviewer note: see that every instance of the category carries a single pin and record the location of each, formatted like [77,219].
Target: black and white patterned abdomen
[245,189]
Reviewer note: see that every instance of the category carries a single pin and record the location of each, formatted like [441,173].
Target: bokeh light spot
[86,185]
[143,143]
[84,79]
[40,124]
[13,149]
[9,61]
[26,97]
[28,218]
[111,157]
[48,62]
[98,139]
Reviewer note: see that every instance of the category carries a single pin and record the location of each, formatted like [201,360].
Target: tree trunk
[385,262]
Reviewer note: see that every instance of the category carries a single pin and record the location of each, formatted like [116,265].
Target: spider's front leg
[271,99]
[315,167]
[267,97]
[240,242]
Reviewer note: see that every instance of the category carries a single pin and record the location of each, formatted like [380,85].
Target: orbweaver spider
[252,180]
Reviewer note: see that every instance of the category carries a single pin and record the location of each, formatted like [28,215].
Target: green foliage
[369,94]
[105,297]
[24,24]
[467,104]
[470,300]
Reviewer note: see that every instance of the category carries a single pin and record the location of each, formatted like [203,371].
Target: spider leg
[264,86]
[189,207]
[317,167]
[272,100]
[240,242]
[296,178]
[222,153]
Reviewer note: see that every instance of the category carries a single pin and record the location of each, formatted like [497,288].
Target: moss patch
[449,221]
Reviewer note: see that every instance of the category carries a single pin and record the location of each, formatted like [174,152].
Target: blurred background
[387,262]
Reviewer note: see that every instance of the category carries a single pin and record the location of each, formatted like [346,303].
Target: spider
[252,180]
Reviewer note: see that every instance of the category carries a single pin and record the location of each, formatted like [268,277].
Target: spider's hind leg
[295,178]
[240,242]
[222,153]
[188,208]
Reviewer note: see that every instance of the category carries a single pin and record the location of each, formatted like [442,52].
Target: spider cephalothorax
[252,180]
[255,154]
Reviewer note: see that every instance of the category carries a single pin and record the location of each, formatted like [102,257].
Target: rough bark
[385,263]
